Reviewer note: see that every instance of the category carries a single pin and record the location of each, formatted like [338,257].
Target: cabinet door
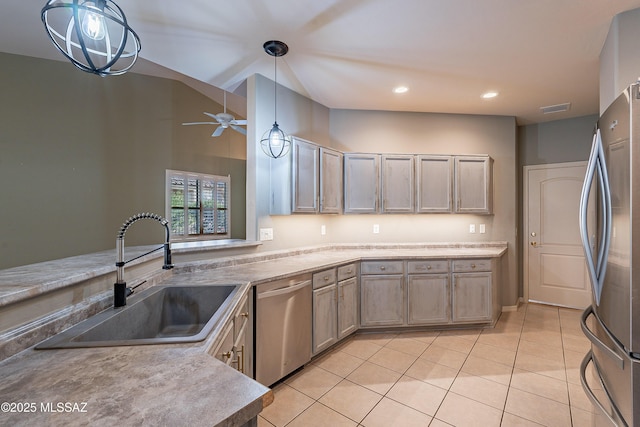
[428,298]
[361,183]
[434,179]
[471,300]
[224,351]
[397,184]
[325,330]
[330,181]
[305,177]
[347,307]
[473,185]
[381,301]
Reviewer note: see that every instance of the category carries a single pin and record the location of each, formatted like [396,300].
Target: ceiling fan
[223,120]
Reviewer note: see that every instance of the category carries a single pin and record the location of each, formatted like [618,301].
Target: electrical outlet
[482,229]
[323,230]
[472,228]
[266,234]
[376,228]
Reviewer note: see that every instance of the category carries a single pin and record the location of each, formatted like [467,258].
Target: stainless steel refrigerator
[610,372]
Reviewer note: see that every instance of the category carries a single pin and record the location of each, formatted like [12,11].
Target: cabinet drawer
[381,267]
[461,265]
[430,266]
[347,272]
[324,278]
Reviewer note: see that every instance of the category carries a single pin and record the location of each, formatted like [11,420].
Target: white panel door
[555,268]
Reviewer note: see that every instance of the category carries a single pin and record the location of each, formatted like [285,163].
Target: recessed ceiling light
[401,89]
[489,95]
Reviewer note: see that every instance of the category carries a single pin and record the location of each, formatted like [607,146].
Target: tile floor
[524,372]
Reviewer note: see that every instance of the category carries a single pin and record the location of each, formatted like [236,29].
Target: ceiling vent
[558,108]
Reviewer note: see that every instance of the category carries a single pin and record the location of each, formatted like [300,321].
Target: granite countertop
[176,384]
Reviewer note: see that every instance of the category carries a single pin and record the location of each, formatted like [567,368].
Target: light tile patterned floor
[523,372]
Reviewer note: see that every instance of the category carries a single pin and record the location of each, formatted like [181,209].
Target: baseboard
[506,308]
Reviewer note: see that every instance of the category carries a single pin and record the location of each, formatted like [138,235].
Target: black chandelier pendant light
[93,34]
[275,142]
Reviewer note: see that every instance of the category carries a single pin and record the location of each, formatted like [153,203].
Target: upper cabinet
[330,181]
[315,179]
[308,181]
[398,187]
[361,181]
[473,184]
[434,183]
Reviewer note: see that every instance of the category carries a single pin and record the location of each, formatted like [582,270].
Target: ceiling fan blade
[218,131]
[239,129]
[238,122]
[200,123]
[213,116]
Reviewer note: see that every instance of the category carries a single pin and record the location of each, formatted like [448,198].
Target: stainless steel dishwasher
[283,327]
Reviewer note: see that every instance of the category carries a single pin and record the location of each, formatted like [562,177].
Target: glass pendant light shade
[275,142]
[93,34]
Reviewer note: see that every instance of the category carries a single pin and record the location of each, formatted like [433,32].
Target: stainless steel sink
[158,315]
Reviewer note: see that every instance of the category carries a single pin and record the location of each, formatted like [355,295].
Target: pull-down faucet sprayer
[120,287]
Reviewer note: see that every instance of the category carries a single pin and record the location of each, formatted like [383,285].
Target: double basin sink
[158,315]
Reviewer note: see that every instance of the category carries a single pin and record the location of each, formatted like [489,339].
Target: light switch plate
[323,230]
[472,228]
[376,228]
[482,229]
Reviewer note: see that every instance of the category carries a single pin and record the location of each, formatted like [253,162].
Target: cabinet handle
[349,271]
[240,360]
[245,314]
[226,355]
[326,278]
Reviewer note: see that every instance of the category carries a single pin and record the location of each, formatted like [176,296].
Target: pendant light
[93,34]
[275,142]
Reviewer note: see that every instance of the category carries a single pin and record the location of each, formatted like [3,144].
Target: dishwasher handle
[285,290]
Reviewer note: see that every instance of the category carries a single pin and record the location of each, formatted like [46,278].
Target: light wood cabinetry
[335,306]
[398,189]
[434,184]
[330,181]
[308,181]
[361,182]
[235,349]
[348,293]
[428,293]
[381,293]
[472,294]
[473,184]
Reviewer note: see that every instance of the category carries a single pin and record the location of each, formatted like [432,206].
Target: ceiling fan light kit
[275,142]
[93,34]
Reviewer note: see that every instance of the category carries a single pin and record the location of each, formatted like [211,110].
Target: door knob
[534,244]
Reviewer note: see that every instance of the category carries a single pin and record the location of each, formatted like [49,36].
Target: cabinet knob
[473,266]
[382,267]
[245,314]
[226,355]
[326,278]
[428,267]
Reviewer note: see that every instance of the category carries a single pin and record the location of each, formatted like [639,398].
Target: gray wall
[81,153]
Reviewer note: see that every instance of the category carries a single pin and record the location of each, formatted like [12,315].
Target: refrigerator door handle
[596,341]
[596,166]
[594,399]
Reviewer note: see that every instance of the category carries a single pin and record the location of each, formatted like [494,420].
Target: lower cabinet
[335,306]
[428,299]
[235,349]
[471,300]
[382,293]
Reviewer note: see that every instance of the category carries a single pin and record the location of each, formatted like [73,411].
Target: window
[198,205]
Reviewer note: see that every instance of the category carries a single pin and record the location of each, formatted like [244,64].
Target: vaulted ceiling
[350,54]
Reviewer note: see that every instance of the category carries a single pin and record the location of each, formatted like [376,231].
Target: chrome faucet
[120,290]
